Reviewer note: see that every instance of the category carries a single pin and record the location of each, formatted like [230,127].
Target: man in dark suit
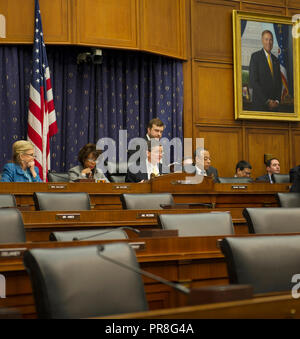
[155,129]
[295,179]
[149,166]
[203,164]
[272,166]
[265,76]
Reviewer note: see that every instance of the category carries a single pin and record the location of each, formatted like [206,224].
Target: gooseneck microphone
[183,289]
[108,231]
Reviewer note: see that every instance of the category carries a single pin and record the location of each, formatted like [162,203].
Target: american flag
[41,116]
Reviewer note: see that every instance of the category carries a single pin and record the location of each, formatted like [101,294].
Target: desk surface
[265,307]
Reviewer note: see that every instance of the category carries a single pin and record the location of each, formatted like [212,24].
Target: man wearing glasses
[22,167]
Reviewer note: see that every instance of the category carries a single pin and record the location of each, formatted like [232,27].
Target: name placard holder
[57,186]
[137,246]
[12,252]
[121,187]
[146,215]
[67,216]
[239,187]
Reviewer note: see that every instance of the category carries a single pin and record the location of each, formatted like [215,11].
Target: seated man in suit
[272,166]
[149,165]
[243,169]
[202,164]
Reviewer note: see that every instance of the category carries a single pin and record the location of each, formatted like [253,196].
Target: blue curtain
[91,101]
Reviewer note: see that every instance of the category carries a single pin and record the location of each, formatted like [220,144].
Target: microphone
[108,231]
[182,289]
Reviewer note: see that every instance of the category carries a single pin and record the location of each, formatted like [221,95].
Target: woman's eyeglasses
[91,160]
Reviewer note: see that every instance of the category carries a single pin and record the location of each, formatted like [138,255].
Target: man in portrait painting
[265,77]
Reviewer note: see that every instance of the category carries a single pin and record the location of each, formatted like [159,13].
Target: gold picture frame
[252,84]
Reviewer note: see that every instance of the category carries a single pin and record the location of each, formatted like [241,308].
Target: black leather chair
[198,224]
[116,172]
[103,234]
[61,201]
[265,262]
[7,200]
[289,199]
[272,220]
[75,282]
[281,178]
[58,177]
[147,201]
[233,180]
[11,226]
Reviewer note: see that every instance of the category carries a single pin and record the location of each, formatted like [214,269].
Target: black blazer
[295,179]
[139,176]
[265,86]
[263,178]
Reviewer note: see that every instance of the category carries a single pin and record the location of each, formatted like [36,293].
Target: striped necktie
[270,63]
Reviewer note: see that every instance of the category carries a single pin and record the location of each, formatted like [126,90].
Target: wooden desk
[39,224]
[266,307]
[193,261]
[107,196]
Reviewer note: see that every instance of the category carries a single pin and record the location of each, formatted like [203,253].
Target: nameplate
[151,233]
[121,187]
[146,215]
[68,216]
[57,186]
[239,187]
[137,246]
[11,252]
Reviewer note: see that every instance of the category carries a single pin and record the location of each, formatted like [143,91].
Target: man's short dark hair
[269,161]
[265,32]
[241,165]
[155,121]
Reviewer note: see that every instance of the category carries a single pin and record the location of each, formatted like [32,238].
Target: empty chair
[116,172]
[7,200]
[11,226]
[61,201]
[281,178]
[75,282]
[235,180]
[58,177]
[104,234]
[289,199]
[272,220]
[147,201]
[268,263]
[198,224]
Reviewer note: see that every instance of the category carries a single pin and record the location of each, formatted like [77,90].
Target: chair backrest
[198,224]
[58,177]
[232,180]
[7,200]
[270,220]
[289,199]
[116,172]
[61,201]
[103,234]
[146,201]
[265,262]
[11,226]
[75,282]
[281,178]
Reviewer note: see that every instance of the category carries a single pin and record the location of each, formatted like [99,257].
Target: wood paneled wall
[210,108]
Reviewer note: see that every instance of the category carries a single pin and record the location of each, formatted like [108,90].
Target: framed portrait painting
[266,66]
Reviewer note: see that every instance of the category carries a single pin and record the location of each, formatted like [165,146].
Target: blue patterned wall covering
[92,101]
